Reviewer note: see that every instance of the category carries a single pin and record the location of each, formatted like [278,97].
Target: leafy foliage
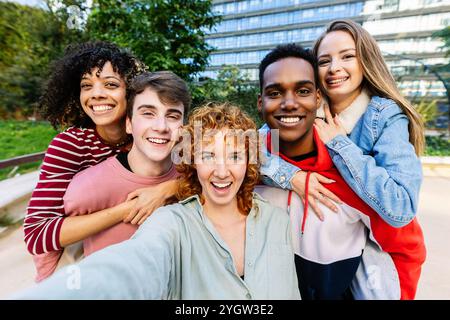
[428,110]
[166,35]
[437,146]
[30,39]
[444,35]
[231,86]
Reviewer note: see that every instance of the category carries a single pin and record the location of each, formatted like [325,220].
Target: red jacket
[405,245]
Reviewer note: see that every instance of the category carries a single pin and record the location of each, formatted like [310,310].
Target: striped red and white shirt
[70,152]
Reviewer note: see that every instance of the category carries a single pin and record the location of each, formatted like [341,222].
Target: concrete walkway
[17,270]
[16,265]
[434,217]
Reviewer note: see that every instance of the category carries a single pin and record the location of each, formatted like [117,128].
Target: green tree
[428,110]
[232,86]
[30,39]
[443,72]
[166,35]
[444,34]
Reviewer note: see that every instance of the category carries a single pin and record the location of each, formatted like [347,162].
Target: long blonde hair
[377,78]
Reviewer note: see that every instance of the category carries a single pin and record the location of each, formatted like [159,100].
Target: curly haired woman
[221,241]
[87,93]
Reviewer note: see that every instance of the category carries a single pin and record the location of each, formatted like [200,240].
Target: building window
[391,5]
[407,24]
[267,38]
[230,8]
[428,2]
[298,16]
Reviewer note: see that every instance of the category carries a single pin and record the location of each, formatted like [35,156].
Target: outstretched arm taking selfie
[138,268]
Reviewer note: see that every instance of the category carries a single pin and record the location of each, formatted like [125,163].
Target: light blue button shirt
[178,254]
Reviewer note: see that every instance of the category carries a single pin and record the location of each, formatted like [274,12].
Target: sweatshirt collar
[321,162]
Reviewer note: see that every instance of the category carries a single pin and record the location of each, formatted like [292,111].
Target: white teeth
[221,185]
[290,119]
[101,108]
[337,81]
[158,141]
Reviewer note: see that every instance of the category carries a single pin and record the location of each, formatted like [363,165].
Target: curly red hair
[219,116]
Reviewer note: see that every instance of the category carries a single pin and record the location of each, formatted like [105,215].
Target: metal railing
[22,159]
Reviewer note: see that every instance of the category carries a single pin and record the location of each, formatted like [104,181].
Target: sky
[28,2]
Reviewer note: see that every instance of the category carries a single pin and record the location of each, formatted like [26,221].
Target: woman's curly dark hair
[60,102]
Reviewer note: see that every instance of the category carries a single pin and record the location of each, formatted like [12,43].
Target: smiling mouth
[158,141]
[102,108]
[337,81]
[221,186]
[289,119]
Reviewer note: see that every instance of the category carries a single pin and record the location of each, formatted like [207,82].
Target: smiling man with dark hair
[352,253]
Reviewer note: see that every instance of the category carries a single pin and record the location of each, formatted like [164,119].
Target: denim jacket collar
[350,116]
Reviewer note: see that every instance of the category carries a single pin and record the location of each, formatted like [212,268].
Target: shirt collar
[191,198]
[255,208]
[350,116]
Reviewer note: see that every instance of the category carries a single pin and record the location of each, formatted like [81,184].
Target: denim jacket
[376,160]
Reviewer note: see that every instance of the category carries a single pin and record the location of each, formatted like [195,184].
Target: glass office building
[403,29]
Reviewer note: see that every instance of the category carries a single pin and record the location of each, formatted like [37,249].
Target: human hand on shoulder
[148,200]
[316,191]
